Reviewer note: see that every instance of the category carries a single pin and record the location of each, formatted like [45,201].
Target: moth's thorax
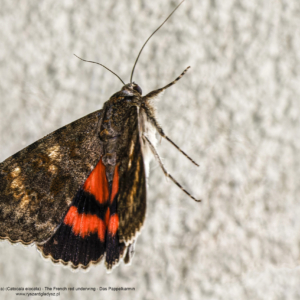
[115,127]
[116,110]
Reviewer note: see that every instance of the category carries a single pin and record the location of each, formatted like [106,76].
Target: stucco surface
[236,112]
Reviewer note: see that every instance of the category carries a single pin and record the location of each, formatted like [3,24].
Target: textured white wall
[236,112]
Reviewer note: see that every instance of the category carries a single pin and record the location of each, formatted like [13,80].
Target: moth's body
[114,133]
[121,171]
[79,193]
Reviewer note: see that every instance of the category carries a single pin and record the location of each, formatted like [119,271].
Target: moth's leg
[155,93]
[150,113]
[129,253]
[151,117]
[165,171]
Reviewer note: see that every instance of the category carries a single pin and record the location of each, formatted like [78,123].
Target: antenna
[102,66]
[150,38]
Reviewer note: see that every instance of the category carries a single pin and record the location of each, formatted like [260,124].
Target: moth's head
[132,89]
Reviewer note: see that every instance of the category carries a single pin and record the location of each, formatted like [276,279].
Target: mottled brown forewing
[38,183]
[132,184]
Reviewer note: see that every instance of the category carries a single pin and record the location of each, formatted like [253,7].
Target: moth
[79,193]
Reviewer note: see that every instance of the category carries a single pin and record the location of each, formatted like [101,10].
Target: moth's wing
[129,193]
[104,217]
[132,191]
[38,183]
[80,239]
